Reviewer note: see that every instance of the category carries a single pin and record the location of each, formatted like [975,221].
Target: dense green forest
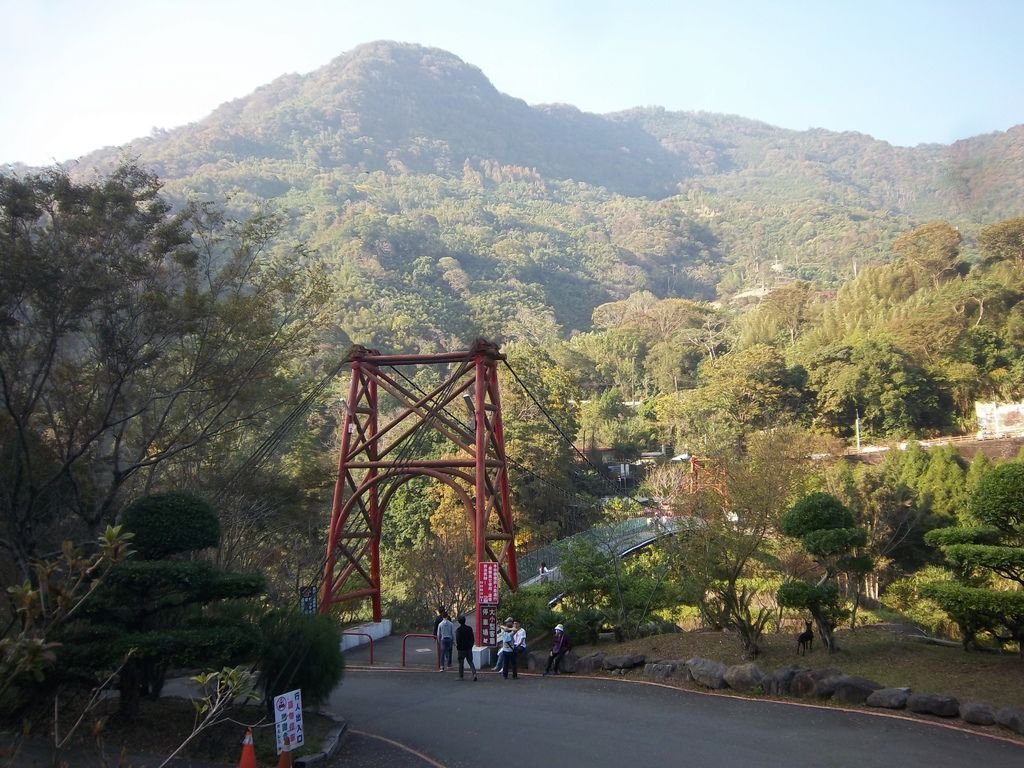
[173,315]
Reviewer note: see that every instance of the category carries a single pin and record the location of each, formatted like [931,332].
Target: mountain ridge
[402,107]
[442,198]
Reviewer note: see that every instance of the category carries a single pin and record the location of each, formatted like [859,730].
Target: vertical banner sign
[288,721]
[487,583]
[488,624]
[308,600]
[487,577]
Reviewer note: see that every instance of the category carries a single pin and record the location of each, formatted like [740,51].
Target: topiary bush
[166,524]
[299,651]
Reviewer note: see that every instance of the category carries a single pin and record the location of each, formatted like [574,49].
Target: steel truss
[375,460]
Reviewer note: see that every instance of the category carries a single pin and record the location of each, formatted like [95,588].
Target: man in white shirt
[519,646]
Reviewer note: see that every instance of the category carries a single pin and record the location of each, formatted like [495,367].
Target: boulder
[779,681]
[744,677]
[627,661]
[589,663]
[682,671]
[933,704]
[977,713]
[1012,718]
[568,663]
[659,671]
[806,682]
[888,698]
[853,690]
[708,673]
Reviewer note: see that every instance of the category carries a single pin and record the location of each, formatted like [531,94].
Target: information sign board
[488,624]
[288,721]
[308,601]
[487,578]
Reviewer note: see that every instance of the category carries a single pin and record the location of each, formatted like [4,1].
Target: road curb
[330,744]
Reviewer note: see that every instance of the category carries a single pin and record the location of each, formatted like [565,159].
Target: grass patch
[888,658]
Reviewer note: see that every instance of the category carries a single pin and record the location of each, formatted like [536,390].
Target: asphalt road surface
[415,719]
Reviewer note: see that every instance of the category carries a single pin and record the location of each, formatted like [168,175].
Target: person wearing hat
[559,647]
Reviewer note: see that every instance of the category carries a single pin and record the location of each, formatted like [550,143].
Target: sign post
[308,600]
[288,721]
[487,580]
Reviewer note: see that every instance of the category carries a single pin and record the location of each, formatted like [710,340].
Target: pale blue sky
[82,74]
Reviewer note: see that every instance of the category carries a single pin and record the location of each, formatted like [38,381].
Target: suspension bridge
[389,421]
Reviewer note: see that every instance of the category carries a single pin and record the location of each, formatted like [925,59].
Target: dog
[805,640]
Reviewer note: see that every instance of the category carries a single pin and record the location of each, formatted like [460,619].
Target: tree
[989,556]
[40,607]
[932,248]
[438,568]
[719,555]
[604,590]
[875,379]
[789,306]
[1003,241]
[130,338]
[150,610]
[541,415]
[743,391]
[828,532]
[888,512]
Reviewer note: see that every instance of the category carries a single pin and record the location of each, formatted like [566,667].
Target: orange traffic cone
[285,761]
[248,758]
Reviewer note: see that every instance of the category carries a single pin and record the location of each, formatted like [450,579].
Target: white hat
[559,628]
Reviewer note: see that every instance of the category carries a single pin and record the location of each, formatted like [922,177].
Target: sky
[84,74]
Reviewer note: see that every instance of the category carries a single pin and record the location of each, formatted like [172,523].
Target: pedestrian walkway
[420,653]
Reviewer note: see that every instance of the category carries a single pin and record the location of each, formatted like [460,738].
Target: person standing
[559,647]
[464,640]
[446,636]
[437,620]
[519,646]
[506,653]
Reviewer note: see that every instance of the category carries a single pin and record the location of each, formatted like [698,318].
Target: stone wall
[799,682]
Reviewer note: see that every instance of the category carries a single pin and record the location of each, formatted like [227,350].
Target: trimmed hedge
[166,524]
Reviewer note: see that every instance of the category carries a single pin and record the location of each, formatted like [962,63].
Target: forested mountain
[449,209]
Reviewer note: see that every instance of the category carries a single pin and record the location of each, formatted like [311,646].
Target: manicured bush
[166,524]
[299,651]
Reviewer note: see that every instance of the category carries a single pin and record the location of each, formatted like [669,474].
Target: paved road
[573,722]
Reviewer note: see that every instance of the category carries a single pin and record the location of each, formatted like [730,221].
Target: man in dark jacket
[464,640]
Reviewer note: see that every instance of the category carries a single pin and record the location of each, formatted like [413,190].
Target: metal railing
[622,538]
[368,636]
[437,644]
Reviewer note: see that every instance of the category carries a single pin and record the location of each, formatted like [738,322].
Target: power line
[565,437]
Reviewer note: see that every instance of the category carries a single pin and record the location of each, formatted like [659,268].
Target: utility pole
[857,427]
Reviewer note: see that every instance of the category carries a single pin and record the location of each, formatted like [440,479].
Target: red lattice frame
[372,467]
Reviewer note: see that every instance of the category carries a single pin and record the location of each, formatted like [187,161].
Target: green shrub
[529,605]
[299,652]
[168,523]
[903,595]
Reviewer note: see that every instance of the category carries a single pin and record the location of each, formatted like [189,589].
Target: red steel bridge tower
[376,459]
